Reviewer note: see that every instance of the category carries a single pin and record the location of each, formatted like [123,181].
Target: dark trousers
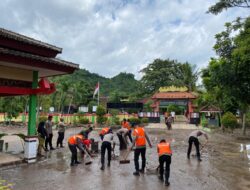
[49,141]
[165,159]
[123,144]
[73,150]
[60,139]
[130,136]
[105,145]
[137,153]
[196,143]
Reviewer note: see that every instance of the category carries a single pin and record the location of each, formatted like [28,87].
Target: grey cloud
[108,37]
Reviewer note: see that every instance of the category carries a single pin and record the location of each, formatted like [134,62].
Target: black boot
[161,178]
[102,167]
[136,173]
[167,183]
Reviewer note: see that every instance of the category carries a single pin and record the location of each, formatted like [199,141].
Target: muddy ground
[225,165]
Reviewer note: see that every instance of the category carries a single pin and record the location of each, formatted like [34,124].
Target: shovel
[125,161]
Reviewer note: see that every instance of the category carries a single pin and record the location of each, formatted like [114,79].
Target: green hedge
[83,120]
[144,120]
[134,120]
[229,120]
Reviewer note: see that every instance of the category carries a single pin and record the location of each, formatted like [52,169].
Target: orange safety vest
[126,125]
[72,140]
[141,138]
[164,149]
[104,131]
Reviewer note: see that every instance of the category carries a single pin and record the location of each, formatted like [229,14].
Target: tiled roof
[19,37]
[39,58]
[210,108]
[173,95]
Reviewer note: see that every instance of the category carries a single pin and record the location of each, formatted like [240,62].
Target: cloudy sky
[112,36]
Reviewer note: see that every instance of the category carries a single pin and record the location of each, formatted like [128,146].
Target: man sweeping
[74,142]
[122,136]
[139,142]
[126,125]
[106,144]
[193,138]
[165,153]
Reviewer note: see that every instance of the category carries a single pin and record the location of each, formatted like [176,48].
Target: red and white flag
[96,89]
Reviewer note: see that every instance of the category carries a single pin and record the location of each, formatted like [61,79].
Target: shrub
[100,111]
[229,120]
[204,123]
[144,120]
[174,108]
[101,120]
[42,118]
[117,120]
[134,120]
[83,120]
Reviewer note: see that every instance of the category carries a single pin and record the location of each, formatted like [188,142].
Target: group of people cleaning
[138,138]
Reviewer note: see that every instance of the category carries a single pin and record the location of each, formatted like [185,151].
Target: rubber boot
[102,167]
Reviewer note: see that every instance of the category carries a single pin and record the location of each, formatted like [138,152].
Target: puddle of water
[245,148]
[248,151]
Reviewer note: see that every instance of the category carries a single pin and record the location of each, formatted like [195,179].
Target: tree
[100,112]
[189,76]
[167,73]
[226,4]
[230,72]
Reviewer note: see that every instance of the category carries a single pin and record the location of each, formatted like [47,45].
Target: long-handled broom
[125,161]
[89,157]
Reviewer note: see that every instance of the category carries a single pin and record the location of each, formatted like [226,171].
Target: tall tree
[226,4]
[166,73]
[230,72]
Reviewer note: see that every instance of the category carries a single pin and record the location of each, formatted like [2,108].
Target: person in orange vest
[139,142]
[74,142]
[103,132]
[126,124]
[165,153]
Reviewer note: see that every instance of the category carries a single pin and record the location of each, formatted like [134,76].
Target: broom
[125,161]
[90,161]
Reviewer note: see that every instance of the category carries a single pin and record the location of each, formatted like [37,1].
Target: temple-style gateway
[173,96]
[24,65]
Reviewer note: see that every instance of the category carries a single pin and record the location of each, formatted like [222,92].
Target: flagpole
[98,93]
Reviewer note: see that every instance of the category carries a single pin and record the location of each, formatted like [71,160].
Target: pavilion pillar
[30,151]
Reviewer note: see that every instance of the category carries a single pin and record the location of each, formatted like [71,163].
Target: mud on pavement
[225,165]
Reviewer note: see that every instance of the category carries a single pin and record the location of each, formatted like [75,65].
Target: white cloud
[108,37]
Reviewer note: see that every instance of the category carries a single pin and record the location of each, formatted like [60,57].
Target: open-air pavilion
[24,65]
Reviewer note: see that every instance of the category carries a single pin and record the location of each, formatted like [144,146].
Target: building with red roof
[173,96]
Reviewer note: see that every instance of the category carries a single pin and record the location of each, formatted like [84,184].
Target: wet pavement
[225,165]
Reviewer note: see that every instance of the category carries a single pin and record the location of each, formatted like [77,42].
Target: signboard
[51,109]
[84,109]
[94,108]
[176,102]
[173,89]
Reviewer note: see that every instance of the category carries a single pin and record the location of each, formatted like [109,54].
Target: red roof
[173,95]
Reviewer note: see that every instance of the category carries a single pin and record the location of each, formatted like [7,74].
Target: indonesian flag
[96,89]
